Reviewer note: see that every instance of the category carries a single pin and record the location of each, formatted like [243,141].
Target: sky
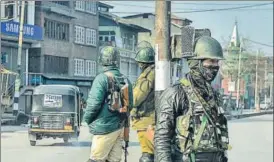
[255,23]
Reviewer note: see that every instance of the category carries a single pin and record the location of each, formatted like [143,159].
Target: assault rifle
[126,138]
[125,109]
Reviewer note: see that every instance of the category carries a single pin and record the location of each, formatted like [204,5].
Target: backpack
[118,93]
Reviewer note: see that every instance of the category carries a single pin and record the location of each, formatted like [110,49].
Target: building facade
[147,20]
[32,36]
[118,32]
[68,52]
[60,42]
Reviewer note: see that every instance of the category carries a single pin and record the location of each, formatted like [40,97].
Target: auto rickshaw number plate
[53,100]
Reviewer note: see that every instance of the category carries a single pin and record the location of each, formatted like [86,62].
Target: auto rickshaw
[55,113]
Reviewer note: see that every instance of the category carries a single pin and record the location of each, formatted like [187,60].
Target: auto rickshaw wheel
[32,143]
[65,139]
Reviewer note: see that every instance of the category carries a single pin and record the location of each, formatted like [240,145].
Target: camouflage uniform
[143,114]
[191,126]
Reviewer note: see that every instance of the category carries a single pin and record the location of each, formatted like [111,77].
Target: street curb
[231,117]
[8,122]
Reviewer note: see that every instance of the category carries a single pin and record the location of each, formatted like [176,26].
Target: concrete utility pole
[162,46]
[238,78]
[18,77]
[256,84]
[265,81]
[0,91]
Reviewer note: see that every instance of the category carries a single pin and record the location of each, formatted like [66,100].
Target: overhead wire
[263,44]
[214,9]
[176,8]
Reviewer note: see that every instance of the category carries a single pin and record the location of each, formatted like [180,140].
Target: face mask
[209,72]
[143,66]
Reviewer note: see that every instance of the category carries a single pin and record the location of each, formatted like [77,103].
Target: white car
[265,105]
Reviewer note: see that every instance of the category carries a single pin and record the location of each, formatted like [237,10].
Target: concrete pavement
[9,119]
[251,139]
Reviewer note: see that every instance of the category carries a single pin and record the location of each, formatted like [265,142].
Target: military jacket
[143,92]
[177,123]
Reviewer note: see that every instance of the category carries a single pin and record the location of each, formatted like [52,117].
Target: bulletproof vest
[147,106]
[190,137]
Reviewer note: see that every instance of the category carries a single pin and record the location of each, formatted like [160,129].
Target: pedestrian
[83,106]
[143,112]
[190,124]
[106,112]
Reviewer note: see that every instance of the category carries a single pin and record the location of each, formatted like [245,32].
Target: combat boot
[146,157]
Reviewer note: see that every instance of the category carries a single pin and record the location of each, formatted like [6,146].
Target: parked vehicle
[265,105]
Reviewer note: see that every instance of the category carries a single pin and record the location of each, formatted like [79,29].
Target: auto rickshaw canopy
[56,89]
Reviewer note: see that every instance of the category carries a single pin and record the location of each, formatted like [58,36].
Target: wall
[149,23]
[64,48]
[128,65]
[12,53]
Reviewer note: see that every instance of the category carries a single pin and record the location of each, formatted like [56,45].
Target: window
[129,41]
[86,6]
[25,12]
[55,64]
[80,5]
[134,69]
[78,67]
[4,58]
[107,38]
[79,34]
[90,68]
[103,9]
[124,67]
[63,3]
[8,9]
[91,37]
[56,30]
[91,7]
[85,36]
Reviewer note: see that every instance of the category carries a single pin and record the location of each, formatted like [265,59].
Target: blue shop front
[32,35]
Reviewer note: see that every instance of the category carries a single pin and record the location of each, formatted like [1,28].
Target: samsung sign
[29,31]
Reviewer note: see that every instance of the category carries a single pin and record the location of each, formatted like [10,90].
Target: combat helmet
[207,48]
[144,53]
[109,55]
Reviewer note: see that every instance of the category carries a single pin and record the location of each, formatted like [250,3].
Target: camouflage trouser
[145,143]
[208,157]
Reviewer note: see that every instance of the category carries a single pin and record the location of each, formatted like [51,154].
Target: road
[251,139]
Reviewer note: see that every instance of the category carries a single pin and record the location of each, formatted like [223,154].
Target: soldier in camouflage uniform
[191,126]
[143,114]
[105,124]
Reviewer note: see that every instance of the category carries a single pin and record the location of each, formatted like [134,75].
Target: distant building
[229,85]
[68,53]
[123,34]
[60,42]
[147,20]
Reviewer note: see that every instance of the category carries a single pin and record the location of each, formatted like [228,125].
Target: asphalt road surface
[251,140]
